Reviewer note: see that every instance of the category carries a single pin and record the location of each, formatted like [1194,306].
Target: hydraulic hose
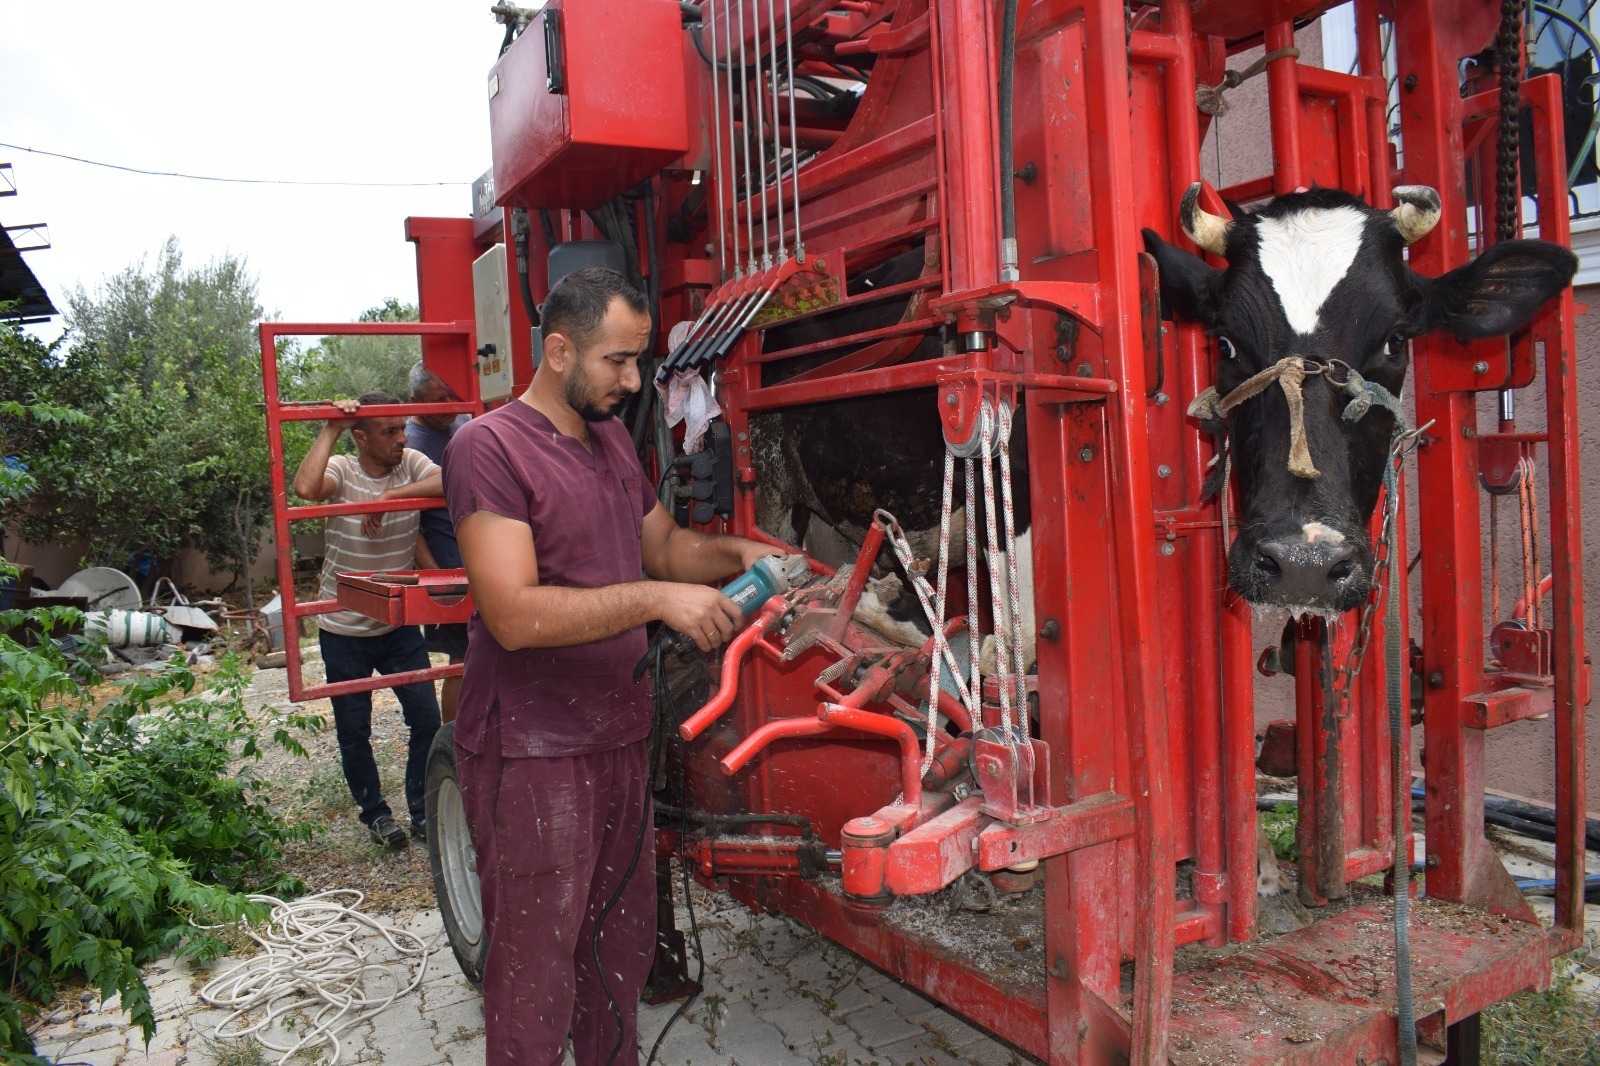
[641,416]
[519,240]
[1008,192]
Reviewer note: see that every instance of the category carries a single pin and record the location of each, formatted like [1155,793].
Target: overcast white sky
[285,89]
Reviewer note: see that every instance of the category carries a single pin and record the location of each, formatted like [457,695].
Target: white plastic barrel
[125,629]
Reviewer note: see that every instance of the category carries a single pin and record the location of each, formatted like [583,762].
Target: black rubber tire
[452,859]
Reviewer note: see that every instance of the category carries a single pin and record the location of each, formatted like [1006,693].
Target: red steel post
[1283,92]
[1461,864]
[1112,175]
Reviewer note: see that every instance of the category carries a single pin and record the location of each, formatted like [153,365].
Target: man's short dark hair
[577,304]
[366,398]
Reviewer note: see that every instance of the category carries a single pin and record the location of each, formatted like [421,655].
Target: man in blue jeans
[353,645]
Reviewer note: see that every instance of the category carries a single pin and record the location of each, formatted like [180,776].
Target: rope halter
[1213,409]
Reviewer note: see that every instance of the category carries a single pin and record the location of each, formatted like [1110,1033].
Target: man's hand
[311,480]
[700,613]
[372,523]
[349,407]
[752,552]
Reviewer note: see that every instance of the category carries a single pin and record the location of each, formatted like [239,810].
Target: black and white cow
[826,468]
[1320,276]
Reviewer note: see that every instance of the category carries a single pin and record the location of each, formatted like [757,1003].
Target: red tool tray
[407,597]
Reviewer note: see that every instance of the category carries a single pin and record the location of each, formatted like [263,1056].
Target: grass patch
[1280,824]
[1557,1027]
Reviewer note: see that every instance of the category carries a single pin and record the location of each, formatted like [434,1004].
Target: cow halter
[1213,409]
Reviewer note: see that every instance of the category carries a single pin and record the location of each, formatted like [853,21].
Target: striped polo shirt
[394,548]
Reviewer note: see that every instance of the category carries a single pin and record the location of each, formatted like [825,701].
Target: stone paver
[783,997]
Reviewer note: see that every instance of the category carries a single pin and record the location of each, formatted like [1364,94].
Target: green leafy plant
[1559,1025]
[122,829]
[1280,824]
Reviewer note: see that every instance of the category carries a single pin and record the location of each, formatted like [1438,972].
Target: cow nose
[1312,574]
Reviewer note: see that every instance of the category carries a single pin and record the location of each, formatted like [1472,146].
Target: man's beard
[581,398]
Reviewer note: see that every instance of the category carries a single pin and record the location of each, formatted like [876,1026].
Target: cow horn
[1418,211]
[1206,230]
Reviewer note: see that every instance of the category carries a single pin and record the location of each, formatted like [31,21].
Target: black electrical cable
[519,242]
[641,418]
[1008,70]
[664,699]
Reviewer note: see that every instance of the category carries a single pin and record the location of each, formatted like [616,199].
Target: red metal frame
[1094,447]
[1144,753]
[412,609]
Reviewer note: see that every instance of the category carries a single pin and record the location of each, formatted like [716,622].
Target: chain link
[1383,554]
[1508,55]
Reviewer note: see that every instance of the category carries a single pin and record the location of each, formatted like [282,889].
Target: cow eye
[1396,347]
[1226,349]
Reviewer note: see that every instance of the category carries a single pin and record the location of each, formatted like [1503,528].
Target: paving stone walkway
[775,995]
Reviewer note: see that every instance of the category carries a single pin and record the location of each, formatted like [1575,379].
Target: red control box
[589,101]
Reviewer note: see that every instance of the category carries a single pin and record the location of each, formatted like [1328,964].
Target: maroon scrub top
[586,509]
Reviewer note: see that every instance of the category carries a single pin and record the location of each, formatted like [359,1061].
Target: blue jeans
[349,658]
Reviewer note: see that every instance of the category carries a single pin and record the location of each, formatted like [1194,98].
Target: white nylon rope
[997,567]
[1018,652]
[311,981]
[941,648]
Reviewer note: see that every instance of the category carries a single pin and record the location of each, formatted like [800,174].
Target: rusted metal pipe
[884,726]
[718,705]
[870,547]
[781,729]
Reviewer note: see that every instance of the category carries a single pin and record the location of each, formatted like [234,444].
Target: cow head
[1319,276]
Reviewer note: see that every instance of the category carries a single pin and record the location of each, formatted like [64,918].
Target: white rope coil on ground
[320,973]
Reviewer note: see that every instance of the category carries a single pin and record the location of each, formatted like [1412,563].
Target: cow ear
[1497,292]
[1190,287]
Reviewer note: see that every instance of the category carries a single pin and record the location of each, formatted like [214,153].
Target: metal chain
[1382,555]
[1508,54]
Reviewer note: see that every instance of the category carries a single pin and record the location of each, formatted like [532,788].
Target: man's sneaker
[419,831]
[386,831]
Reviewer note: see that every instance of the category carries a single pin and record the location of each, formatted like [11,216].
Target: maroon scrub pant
[554,838]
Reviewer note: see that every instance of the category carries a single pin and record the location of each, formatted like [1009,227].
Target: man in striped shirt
[353,645]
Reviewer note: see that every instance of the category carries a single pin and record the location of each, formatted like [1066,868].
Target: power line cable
[234,181]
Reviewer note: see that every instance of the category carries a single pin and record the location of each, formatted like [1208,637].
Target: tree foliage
[123,831]
[344,367]
[162,363]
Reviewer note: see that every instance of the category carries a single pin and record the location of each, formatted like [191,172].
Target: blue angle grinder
[769,576]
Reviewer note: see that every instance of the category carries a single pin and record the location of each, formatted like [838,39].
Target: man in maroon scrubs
[557,522]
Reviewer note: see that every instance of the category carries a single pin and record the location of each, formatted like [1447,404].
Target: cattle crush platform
[865,225]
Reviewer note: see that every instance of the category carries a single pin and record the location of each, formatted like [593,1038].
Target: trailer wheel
[452,858]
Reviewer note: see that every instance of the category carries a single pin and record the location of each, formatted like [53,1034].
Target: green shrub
[1556,1027]
[121,827]
[1280,824]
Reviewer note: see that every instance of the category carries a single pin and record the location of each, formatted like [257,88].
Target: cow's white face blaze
[1305,256]
[1321,276]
